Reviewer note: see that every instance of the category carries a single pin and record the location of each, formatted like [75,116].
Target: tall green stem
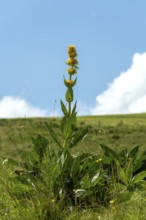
[69,104]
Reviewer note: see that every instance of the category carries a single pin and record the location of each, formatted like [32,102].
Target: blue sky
[110,37]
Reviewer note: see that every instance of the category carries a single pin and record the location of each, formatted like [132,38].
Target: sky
[110,38]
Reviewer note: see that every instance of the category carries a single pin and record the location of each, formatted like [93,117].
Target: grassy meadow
[117,132]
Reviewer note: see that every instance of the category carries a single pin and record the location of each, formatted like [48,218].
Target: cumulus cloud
[127,92]
[16,107]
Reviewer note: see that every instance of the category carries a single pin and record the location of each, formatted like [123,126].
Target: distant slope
[116,131]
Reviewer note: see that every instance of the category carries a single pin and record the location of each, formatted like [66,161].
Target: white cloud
[127,92]
[15,107]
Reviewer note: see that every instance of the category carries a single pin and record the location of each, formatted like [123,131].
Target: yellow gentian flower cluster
[72,61]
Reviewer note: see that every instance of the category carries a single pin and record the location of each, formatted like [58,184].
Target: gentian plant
[68,125]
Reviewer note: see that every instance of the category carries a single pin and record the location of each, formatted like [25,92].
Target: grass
[129,211]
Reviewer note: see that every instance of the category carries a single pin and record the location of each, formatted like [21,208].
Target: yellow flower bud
[71,71]
[72,51]
[70,83]
[72,62]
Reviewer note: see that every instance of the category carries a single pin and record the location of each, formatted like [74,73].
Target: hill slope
[116,131]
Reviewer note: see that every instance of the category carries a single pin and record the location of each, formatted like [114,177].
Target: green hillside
[116,131]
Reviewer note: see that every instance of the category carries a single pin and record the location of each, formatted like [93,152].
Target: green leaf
[123,156]
[133,153]
[75,167]
[85,182]
[74,108]
[64,109]
[106,159]
[139,177]
[95,179]
[74,82]
[53,135]
[110,153]
[68,125]
[117,188]
[66,162]
[79,192]
[129,170]
[140,163]
[77,137]
[63,122]
[123,177]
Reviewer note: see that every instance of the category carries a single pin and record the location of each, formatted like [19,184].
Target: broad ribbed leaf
[140,163]
[110,153]
[123,156]
[129,170]
[123,177]
[139,177]
[133,153]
